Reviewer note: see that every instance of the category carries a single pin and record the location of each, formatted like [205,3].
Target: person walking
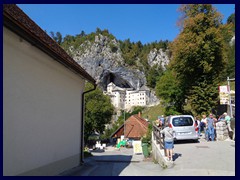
[197,122]
[168,140]
[162,120]
[210,127]
[204,125]
[215,120]
[228,122]
[157,122]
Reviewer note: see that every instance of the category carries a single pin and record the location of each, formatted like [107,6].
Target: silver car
[184,127]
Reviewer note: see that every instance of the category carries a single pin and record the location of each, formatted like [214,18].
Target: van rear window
[182,121]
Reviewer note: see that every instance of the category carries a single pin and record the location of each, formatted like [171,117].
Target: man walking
[210,127]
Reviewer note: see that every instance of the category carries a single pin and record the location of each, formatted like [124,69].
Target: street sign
[224,94]
[137,147]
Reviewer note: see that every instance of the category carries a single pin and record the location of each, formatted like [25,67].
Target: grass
[153,112]
[87,154]
[164,166]
[155,161]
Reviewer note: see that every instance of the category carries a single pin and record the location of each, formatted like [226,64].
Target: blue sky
[146,23]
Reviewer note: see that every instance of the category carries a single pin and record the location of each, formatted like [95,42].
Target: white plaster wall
[42,109]
[117,100]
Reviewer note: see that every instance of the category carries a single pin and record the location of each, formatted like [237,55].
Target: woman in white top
[204,122]
[168,140]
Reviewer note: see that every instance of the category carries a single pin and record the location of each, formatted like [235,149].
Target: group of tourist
[208,125]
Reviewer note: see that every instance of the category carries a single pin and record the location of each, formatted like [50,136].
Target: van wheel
[196,141]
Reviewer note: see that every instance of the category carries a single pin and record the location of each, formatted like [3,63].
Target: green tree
[98,30]
[98,112]
[153,75]
[57,37]
[167,89]
[198,53]
[203,97]
[231,19]
[228,31]
[82,34]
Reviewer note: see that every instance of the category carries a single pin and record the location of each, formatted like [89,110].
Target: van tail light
[196,128]
[170,125]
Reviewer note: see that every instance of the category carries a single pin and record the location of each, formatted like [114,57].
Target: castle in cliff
[125,98]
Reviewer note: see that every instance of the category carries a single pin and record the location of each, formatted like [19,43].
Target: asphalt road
[191,159]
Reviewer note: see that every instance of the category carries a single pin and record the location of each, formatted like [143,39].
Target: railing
[158,136]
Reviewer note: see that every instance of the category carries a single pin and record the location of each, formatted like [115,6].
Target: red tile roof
[17,21]
[136,127]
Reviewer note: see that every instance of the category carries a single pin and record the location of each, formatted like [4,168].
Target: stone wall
[158,155]
[221,131]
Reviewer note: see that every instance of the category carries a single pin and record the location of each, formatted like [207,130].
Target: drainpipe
[82,126]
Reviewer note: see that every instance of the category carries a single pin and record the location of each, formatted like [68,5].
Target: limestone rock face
[158,57]
[103,60]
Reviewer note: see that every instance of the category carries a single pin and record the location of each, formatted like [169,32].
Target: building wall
[135,98]
[41,111]
[110,87]
[125,99]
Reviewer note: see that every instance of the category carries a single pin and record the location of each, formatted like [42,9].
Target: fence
[157,136]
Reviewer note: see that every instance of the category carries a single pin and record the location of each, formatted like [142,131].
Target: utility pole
[229,93]
[124,127]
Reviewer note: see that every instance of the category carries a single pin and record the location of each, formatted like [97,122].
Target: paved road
[204,158]
[191,159]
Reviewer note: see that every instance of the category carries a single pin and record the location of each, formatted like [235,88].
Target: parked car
[184,127]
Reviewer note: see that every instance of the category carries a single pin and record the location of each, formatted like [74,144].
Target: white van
[184,127]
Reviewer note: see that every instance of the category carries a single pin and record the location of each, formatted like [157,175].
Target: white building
[42,100]
[117,95]
[137,98]
[125,98]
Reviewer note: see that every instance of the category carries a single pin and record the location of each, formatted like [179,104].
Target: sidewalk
[109,162]
[192,159]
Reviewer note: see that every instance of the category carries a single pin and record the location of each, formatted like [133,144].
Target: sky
[138,22]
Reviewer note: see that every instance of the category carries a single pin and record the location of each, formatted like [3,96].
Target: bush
[145,140]
[87,154]
[113,48]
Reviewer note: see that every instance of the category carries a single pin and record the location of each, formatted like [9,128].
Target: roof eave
[12,24]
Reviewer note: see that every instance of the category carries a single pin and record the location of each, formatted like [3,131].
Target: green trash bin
[145,149]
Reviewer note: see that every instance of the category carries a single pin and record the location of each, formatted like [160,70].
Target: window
[182,121]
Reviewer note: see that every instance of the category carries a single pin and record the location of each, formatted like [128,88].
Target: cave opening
[117,80]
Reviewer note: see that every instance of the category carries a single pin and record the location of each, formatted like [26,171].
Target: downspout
[82,126]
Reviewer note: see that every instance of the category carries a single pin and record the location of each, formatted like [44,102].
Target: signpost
[124,125]
[137,147]
[229,90]
[224,95]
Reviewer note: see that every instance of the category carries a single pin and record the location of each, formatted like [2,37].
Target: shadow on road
[98,151]
[186,142]
[104,165]
[176,155]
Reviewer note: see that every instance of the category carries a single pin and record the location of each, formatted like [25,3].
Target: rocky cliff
[103,60]
[158,57]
